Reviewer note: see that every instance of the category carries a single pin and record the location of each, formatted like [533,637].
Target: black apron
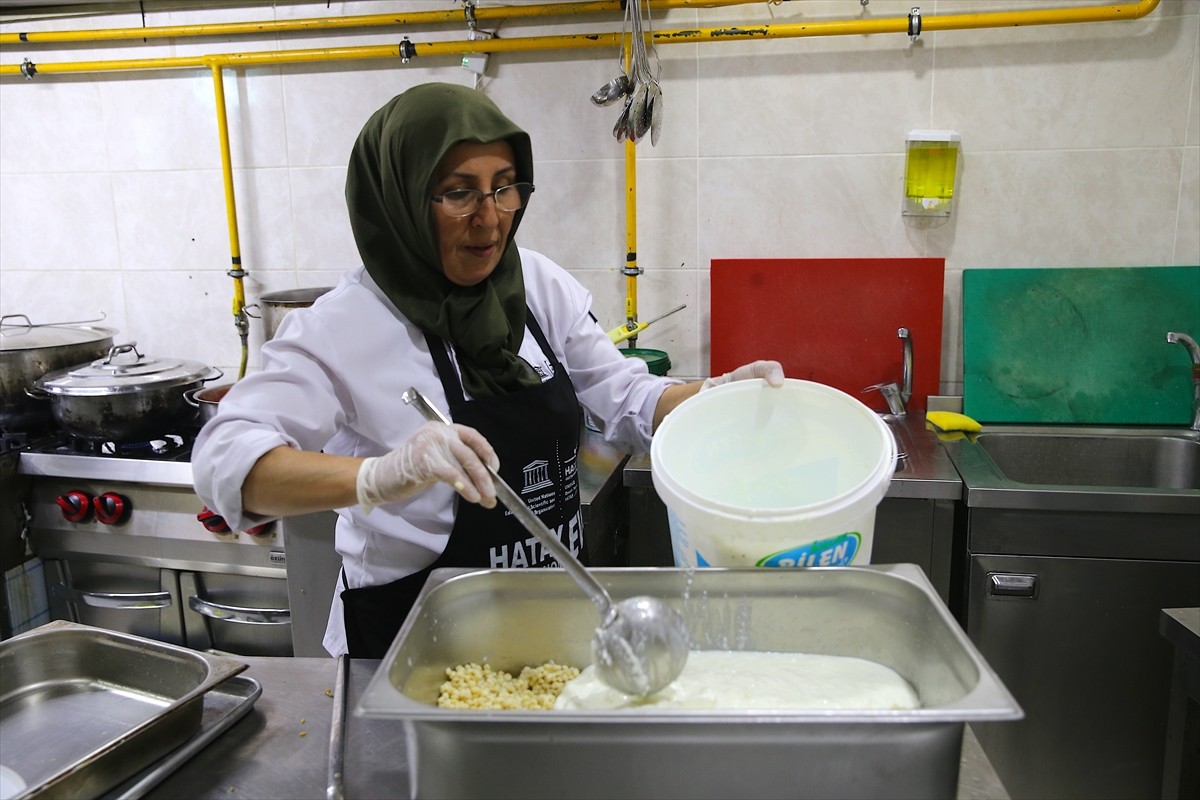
[535,432]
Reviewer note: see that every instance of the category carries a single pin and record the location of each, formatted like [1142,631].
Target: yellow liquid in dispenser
[929,177]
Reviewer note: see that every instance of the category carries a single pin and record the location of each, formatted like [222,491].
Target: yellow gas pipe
[631,270]
[351,22]
[235,248]
[407,50]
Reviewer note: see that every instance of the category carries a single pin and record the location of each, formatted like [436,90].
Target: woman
[447,303]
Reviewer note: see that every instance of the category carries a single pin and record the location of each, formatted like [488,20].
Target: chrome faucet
[1193,351]
[898,395]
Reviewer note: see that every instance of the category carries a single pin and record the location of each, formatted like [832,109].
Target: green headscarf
[392,171]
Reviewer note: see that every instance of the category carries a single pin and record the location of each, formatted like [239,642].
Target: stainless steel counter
[927,473]
[281,748]
[1124,469]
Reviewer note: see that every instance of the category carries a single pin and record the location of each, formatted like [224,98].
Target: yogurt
[747,680]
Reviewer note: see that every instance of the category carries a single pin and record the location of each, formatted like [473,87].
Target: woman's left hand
[770,371]
[672,396]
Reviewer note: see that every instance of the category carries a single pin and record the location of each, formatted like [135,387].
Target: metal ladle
[643,109]
[642,643]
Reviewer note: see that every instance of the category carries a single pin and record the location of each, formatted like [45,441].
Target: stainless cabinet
[137,599]
[312,575]
[1066,585]
[911,530]
[245,615]
[226,611]
[1065,607]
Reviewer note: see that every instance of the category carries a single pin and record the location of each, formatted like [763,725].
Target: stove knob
[259,530]
[75,506]
[112,508]
[212,521]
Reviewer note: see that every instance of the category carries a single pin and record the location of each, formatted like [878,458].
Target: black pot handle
[37,393]
[214,373]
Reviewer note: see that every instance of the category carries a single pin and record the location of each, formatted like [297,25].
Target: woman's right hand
[453,454]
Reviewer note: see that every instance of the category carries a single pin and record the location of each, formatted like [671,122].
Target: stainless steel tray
[512,618]
[82,708]
[224,705]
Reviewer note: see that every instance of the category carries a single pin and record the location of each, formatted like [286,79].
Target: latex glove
[771,371]
[454,454]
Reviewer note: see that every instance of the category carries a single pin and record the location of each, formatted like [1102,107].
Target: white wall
[1081,148]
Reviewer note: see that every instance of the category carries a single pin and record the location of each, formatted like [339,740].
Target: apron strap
[448,373]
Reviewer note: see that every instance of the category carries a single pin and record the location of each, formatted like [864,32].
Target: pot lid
[125,370]
[294,298]
[26,336]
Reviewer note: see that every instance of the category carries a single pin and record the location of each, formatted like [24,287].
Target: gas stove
[128,545]
[163,460]
[97,499]
[166,447]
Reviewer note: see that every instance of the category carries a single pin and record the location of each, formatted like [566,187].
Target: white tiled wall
[1081,148]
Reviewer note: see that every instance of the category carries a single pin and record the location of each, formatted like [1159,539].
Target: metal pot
[275,305]
[124,396]
[207,399]
[29,351]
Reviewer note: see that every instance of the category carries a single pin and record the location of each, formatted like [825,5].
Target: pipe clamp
[914,24]
[407,50]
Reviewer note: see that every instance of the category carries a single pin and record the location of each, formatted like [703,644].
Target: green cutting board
[1085,345]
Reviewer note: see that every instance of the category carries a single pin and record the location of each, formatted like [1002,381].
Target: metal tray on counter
[224,705]
[83,709]
[509,619]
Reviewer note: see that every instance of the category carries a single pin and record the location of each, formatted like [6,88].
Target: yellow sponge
[947,421]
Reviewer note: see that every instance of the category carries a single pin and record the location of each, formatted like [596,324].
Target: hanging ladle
[613,91]
[642,643]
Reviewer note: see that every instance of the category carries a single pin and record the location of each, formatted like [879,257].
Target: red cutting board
[831,320]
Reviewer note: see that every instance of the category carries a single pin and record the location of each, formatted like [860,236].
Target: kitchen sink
[1081,468]
[1155,461]
[1076,538]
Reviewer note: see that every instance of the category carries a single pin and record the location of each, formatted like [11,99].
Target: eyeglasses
[465,202]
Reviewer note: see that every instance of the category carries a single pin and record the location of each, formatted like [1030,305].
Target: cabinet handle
[1004,584]
[251,616]
[127,600]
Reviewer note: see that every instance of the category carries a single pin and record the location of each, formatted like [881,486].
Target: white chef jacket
[331,380]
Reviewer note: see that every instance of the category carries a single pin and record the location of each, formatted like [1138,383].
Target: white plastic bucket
[754,475]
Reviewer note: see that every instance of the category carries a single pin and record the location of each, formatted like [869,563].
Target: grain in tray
[482,687]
